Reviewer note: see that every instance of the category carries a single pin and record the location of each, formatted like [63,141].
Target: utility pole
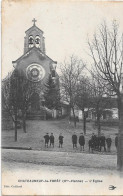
[120,139]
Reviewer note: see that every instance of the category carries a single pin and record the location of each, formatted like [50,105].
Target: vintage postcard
[62,97]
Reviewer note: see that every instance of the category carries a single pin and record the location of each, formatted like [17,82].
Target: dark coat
[74,139]
[93,138]
[82,140]
[102,141]
[46,137]
[97,141]
[51,139]
[61,139]
[91,144]
[108,141]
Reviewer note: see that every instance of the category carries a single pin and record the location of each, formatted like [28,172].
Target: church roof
[34,27]
[28,52]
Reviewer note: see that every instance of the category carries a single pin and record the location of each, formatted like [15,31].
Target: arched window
[31,41]
[37,41]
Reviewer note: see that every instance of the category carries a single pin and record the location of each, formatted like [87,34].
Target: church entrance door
[35,102]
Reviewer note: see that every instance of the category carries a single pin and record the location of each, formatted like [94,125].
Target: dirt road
[58,173]
[60,158]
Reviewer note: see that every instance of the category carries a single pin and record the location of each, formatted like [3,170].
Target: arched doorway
[35,102]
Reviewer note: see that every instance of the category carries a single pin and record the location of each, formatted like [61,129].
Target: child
[60,140]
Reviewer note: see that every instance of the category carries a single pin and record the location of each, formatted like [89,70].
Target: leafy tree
[52,93]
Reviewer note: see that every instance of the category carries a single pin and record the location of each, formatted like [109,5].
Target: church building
[36,66]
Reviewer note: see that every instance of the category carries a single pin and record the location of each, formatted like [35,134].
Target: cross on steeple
[34,21]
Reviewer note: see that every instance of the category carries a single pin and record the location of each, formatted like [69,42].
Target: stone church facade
[36,67]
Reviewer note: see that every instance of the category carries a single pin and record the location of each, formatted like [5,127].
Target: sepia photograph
[62,97]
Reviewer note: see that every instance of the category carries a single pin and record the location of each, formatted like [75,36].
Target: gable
[35,51]
[35,28]
[35,56]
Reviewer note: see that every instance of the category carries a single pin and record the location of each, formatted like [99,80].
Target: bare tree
[107,53]
[16,95]
[25,92]
[83,98]
[10,97]
[92,95]
[70,75]
[26,89]
[99,99]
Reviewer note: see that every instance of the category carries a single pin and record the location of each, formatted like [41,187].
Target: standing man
[91,145]
[102,142]
[60,140]
[74,140]
[82,141]
[46,137]
[93,138]
[116,141]
[108,142]
[52,140]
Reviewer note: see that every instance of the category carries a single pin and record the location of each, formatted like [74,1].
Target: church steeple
[34,37]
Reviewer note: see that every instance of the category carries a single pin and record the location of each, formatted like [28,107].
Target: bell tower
[36,67]
[34,38]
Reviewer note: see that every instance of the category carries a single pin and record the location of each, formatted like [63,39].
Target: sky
[66,26]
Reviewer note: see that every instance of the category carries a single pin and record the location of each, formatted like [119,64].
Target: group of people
[49,140]
[81,141]
[99,142]
[95,142]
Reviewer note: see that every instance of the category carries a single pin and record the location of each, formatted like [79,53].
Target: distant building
[108,113]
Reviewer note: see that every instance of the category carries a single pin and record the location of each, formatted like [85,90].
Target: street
[57,171]
[46,172]
[60,158]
